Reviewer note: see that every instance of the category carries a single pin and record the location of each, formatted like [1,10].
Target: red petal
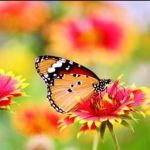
[139,97]
[5,103]
[69,120]
[17,94]
[93,127]
[112,90]
[84,127]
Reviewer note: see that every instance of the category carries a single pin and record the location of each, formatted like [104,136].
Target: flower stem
[115,141]
[95,142]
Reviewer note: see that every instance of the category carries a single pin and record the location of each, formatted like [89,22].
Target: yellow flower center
[89,37]
[106,98]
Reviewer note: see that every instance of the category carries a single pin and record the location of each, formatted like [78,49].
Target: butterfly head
[102,85]
[106,81]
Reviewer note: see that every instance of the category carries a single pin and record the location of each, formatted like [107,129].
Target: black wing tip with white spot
[70,62]
[48,80]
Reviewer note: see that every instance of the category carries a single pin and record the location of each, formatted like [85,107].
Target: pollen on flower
[131,95]
[106,97]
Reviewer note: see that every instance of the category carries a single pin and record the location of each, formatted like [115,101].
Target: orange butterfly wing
[67,92]
[67,81]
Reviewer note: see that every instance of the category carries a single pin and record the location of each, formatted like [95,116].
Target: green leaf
[115,140]
[110,126]
[126,124]
[102,129]
[126,117]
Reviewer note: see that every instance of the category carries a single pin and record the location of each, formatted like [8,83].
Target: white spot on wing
[55,75]
[67,68]
[57,64]
[63,60]
[37,60]
[71,62]
[50,70]
[46,75]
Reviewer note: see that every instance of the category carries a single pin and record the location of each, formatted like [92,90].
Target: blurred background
[110,38]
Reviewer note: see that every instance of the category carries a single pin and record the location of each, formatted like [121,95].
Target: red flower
[114,104]
[94,32]
[10,87]
[21,15]
[98,34]
[34,119]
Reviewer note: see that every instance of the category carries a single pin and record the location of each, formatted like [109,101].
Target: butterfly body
[66,81]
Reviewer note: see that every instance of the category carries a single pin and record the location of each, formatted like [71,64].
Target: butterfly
[67,81]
